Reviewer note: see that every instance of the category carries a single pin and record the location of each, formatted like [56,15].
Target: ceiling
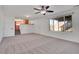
[27,10]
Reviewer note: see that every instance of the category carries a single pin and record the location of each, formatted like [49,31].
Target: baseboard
[57,37]
[50,36]
[0,39]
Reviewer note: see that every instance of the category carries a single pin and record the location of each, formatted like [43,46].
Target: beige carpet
[37,44]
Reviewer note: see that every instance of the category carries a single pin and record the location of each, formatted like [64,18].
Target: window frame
[64,19]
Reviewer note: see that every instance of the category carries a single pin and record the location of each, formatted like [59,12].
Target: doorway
[17,25]
[17,28]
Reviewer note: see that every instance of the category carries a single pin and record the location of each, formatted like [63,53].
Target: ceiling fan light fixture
[43,12]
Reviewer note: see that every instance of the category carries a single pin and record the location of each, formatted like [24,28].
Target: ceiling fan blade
[42,7]
[37,12]
[49,11]
[36,9]
[47,7]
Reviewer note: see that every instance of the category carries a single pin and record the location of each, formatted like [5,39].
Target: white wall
[1,23]
[42,27]
[7,26]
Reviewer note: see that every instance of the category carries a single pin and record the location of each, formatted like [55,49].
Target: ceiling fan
[43,10]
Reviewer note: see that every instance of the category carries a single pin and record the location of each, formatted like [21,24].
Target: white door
[9,27]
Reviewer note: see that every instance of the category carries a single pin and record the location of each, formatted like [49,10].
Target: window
[63,24]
